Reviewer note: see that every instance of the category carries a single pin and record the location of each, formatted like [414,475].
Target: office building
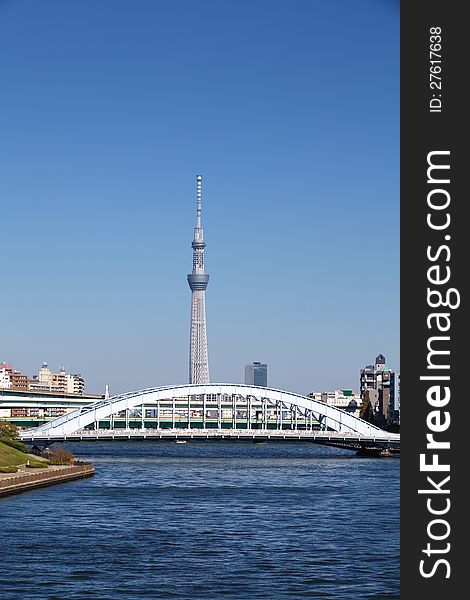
[256,373]
[378,381]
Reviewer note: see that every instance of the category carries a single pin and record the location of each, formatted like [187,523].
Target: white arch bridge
[214,411]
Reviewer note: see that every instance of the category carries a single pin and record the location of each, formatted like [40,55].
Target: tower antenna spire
[199,180]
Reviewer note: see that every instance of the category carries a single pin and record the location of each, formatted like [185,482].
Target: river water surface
[207,521]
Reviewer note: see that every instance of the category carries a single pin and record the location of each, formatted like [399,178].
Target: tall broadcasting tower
[198,280]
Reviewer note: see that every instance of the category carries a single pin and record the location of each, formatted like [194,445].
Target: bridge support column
[142,417]
[189,412]
[204,410]
[127,418]
[158,414]
[173,424]
[219,411]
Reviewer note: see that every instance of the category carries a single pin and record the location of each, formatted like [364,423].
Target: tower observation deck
[198,280]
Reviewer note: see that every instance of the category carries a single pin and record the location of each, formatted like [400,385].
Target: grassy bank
[11,457]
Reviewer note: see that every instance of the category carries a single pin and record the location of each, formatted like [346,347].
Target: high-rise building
[198,280]
[19,380]
[10,378]
[45,375]
[75,383]
[5,371]
[256,374]
[379,381]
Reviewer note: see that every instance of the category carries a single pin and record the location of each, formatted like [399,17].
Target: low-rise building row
[45,380]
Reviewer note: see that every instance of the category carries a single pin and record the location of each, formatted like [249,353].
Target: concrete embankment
[19,482]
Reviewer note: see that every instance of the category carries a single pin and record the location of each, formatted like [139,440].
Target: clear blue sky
[290,112]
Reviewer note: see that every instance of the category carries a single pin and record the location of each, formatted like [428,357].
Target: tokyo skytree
[198,280]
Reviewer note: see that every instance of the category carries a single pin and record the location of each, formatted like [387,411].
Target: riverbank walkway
[26,478]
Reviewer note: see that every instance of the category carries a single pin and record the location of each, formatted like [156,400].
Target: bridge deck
[343,440]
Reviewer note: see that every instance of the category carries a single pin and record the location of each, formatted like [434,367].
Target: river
[207,521]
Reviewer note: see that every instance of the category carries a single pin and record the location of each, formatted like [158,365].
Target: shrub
[14,444]
[61,457]
[8,469]
[37,465]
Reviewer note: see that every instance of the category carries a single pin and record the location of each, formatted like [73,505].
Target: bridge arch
[329,416]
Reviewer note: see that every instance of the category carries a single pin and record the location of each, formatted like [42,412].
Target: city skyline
[102,139]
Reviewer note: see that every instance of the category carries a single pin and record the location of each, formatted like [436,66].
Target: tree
[367,412]
[8,430]
[60,456]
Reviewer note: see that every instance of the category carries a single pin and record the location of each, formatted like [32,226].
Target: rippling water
[207,521]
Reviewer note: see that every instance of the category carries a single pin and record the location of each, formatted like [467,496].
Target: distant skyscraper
[379,381]
[198,280]
[256,374]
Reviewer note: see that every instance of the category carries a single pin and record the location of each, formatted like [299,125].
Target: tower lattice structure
[198,280]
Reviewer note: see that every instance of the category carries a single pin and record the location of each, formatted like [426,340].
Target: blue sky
[288,110]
